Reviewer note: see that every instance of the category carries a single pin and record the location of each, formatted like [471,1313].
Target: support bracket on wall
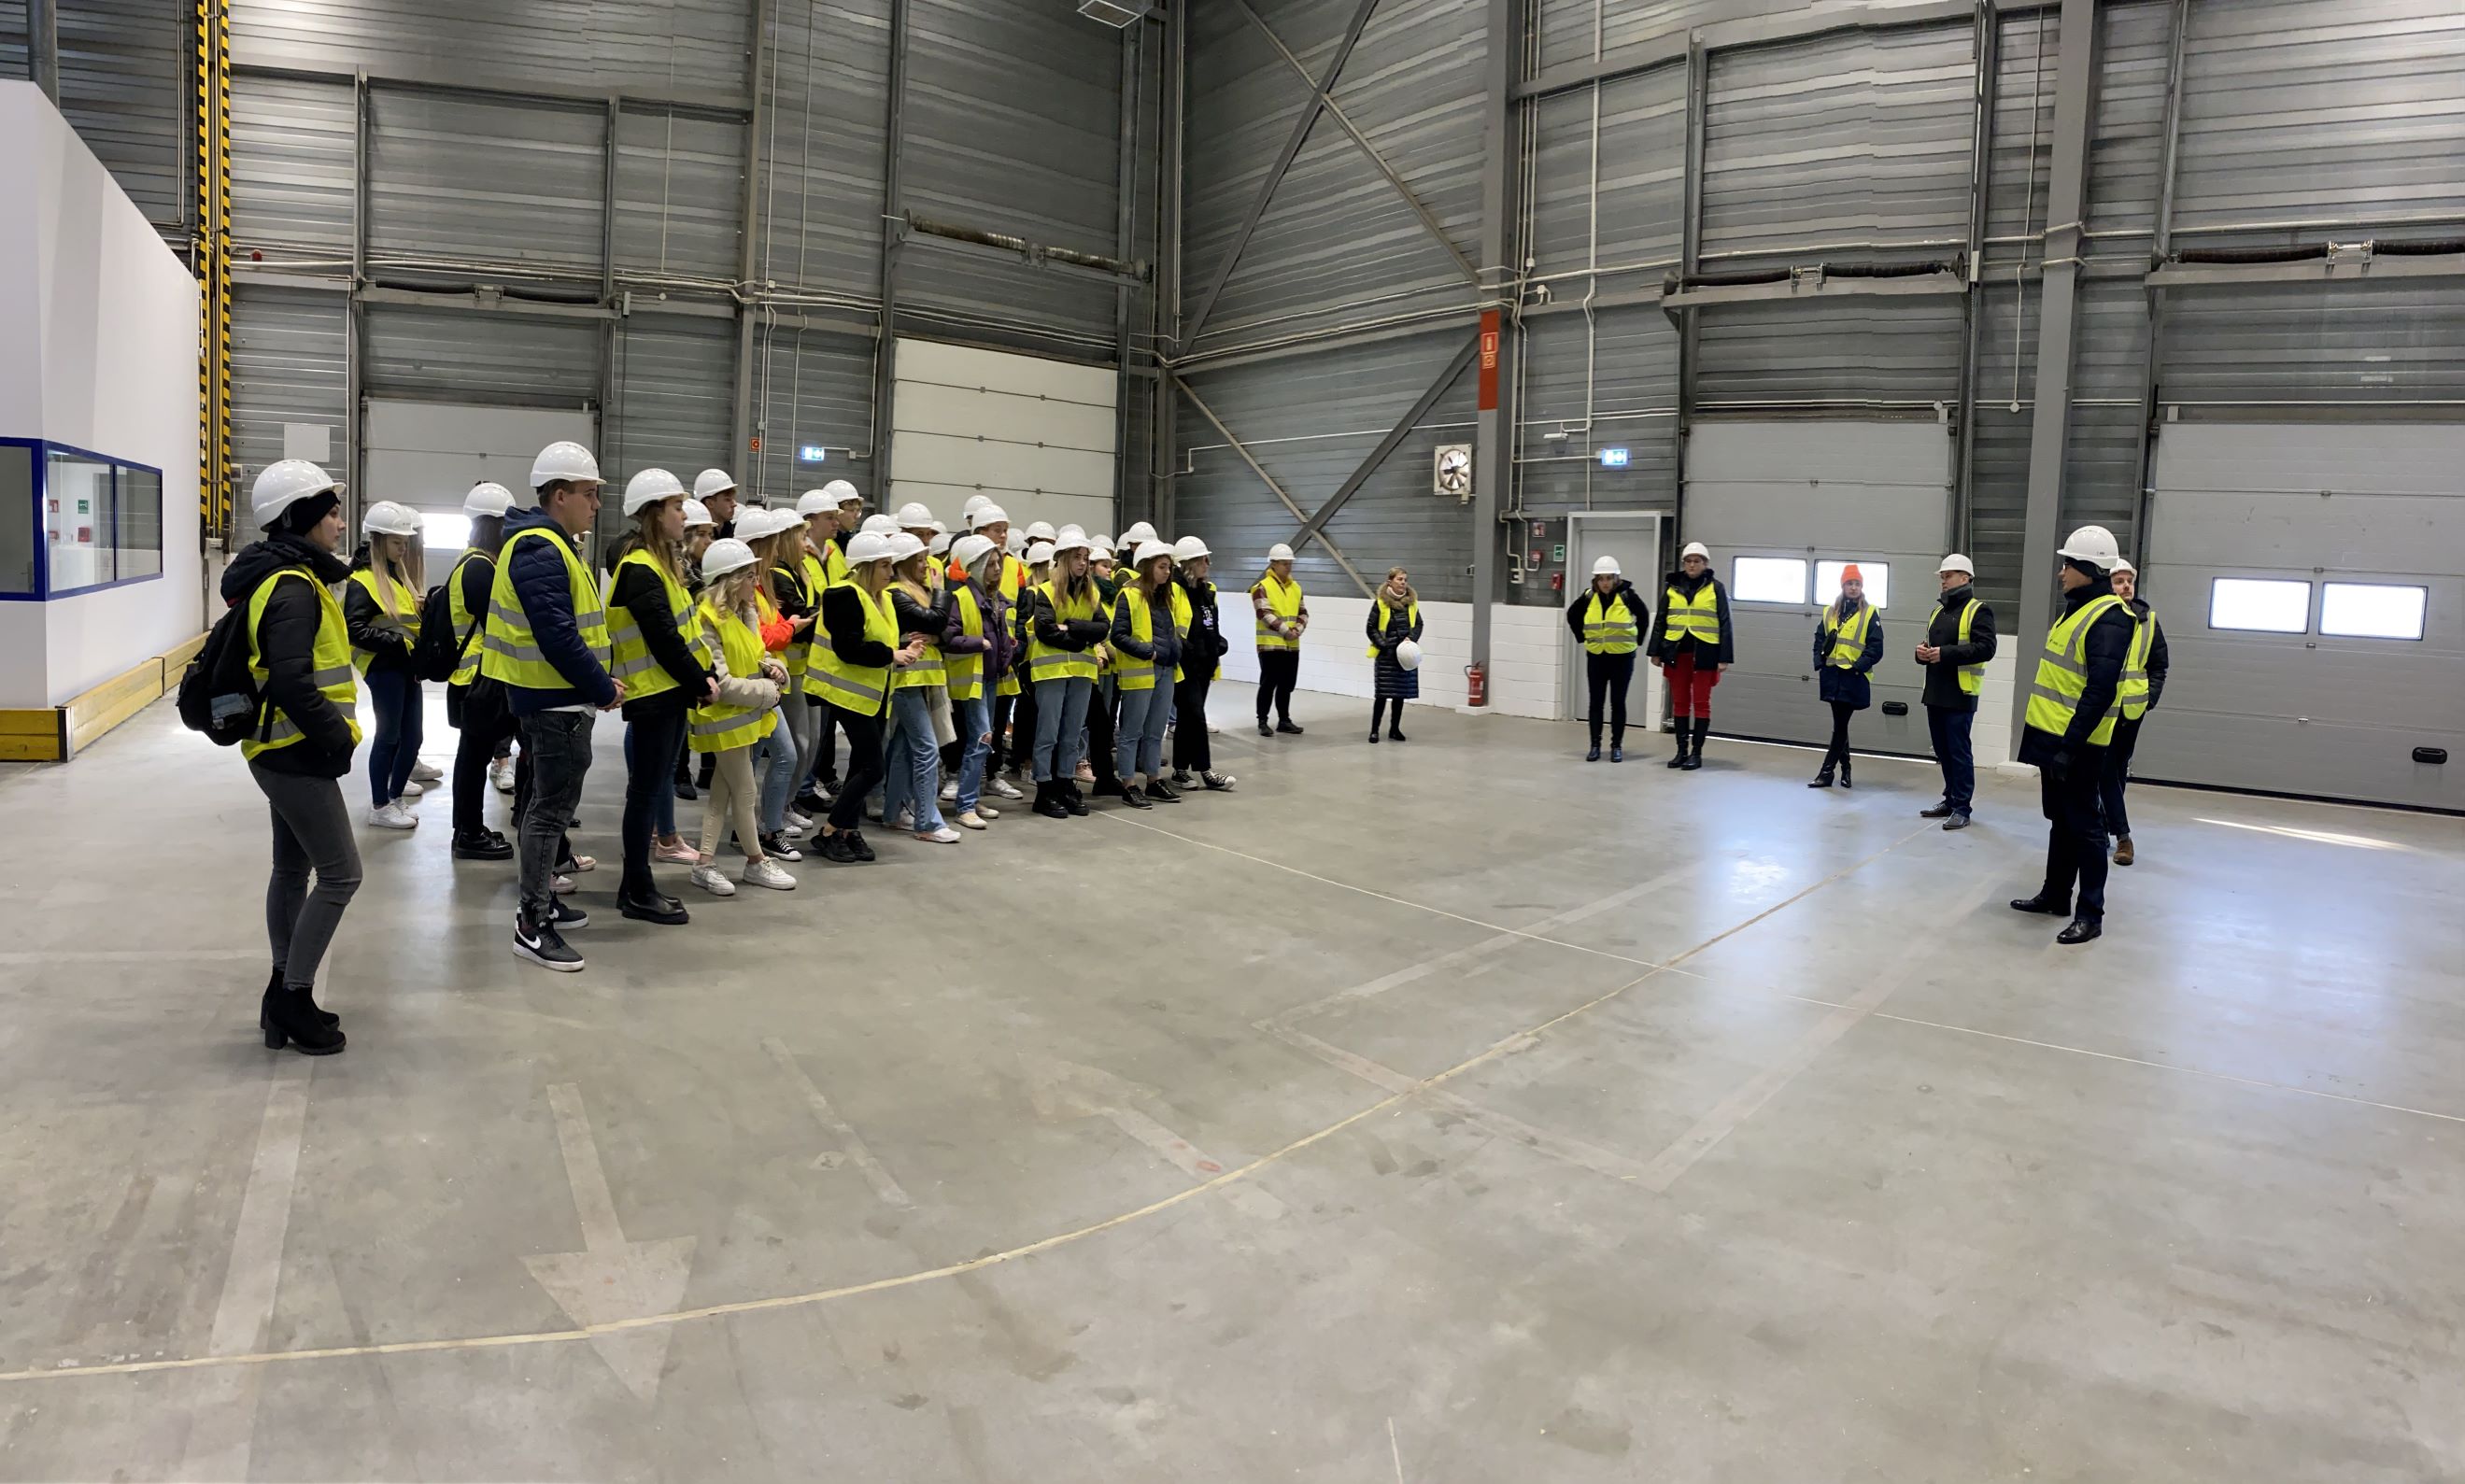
[1268,479]
[1814,281]
[1394,439]
[2346,262]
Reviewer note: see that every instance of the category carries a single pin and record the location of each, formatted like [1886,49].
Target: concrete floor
[1446,1112]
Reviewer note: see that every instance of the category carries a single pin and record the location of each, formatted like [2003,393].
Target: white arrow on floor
[610,1279]
[1066,1090]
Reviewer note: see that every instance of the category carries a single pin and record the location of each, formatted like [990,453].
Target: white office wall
[1036,435]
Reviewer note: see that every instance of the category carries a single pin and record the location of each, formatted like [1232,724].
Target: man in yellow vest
[2070,719]
[1281,616]
[2144,685]
[546,642]
[1959,640]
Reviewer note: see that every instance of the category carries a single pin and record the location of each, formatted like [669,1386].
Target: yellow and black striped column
[214,258]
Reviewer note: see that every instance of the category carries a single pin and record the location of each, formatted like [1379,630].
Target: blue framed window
[72,521]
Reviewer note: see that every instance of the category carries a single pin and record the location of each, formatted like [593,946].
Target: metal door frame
[1643,713]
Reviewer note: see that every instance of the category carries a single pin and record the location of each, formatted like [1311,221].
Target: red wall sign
[1489,361]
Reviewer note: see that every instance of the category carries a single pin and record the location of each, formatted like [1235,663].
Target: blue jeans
[1949,730]
[913,760]
[395,749]
[1060,726]
[1140,744]
[663,803]
[975,722]
[774,764]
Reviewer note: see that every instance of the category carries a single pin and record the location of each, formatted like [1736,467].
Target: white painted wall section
[1036,435]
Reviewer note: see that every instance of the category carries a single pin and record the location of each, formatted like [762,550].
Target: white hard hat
[1100,538]
[1607,566]
[712,482]
[940,544]
[2123,564]
[975,502]
[725,555]
[1071,538]
[1279,553]
[1039,530]
[487,499]
[842,492]
[384,518]
[1102,548]
[1189,548]
[1955,563]
[569,461]
[1150,549]
[868,547]
[1408,655]
[1039,553]
[650,487]
[758,524]
[698,514]
[971,549]
[903,545]
[284,484]
[2093,545]
[1140,532]
[1068,531]
[987,514]
[914,517]
[814,502]
[880,525]
[1016,544]
[1696,548]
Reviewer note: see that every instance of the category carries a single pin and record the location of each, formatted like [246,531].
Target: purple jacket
[995,644]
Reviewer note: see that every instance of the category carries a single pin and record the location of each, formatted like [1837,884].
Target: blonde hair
[668,554]
[404,572]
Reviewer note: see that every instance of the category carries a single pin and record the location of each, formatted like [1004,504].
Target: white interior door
[1036,435]
[1634,540]
[428,455]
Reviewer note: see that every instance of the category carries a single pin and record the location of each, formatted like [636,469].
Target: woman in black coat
[1608,619]
[1848,643]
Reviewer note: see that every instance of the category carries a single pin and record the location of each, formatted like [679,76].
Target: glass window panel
[137,523]
[16,520]
[2372,610]
[1768,579]
[2259,605]
[1878,577]
[77,516]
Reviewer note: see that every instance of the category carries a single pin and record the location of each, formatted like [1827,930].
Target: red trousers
[1690,688]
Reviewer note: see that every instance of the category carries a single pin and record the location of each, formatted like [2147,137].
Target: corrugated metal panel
[291,168]
[679,184]
[1847,351]
[817,388]
[1566,27]
[2127,151]
[674,377]
[2350,112]
[2101,458]
[1642,178]
[1633,405]
[485,181]
[2024,130]
[1324,416]
[631,46]
[288,366]
[481,356]
[1999,491]
[2356,343]
[123,88]
[820,191]
[1852,138]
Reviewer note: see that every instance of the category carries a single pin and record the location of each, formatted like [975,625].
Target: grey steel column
[43,47]
[894,231]
[1166,301]
[748,219]
[1494,435]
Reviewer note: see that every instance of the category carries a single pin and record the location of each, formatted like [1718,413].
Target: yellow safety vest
[641,672]
[1044,661]
[967,672]
[862,689]
[329,667]
[393,598]
[1284,601]
[2062,675]
[798,655]
[1136,674]
[2132,696]
[1699,615]
[466,668]
[835,565]
[1605,632]
[717,726]
[1380,610]
[1013,575]
[1972,678]
[817,576]
[1848,640]
[928,668]
[510,653]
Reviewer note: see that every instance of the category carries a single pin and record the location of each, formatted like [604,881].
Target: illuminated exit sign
[1613,458]
[812,453]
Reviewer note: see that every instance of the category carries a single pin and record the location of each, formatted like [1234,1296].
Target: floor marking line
[1842,874]
[851,1144]
[222,1433]
[591,1201]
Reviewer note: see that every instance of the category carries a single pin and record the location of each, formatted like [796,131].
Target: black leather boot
[289,1016]
[1695,755]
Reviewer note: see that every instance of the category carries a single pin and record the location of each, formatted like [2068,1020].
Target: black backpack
[218,697]
[438,654]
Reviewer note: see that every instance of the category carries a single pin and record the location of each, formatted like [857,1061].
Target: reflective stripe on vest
[633,663]
[1605,634]
[1136,674]
[2131,697]
[1382,614]
[510,653]
[716,726]
[1848,640]
[967,672]
[1972,678]
[384,590]
[466,668]
[860,689]
[329,660]
[1044,663]
[1284,601]
[1699,615]
[816,577]
[2062,675]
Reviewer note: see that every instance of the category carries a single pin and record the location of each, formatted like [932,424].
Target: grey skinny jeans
[312,831]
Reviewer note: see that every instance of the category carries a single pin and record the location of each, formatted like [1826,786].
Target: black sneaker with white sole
[568,916]
[540,944]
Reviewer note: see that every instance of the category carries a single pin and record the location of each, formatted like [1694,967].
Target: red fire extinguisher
[1478,676]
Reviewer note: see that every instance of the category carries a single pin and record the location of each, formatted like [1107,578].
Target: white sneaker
[973,820]
[427,773]
[392,816]
[950,791]
[799,823]
[987,811]
[946,835]
[708,879]
[502,774]
[906,819]
[1006,788]
[561,886]
[770,873]
[409,790]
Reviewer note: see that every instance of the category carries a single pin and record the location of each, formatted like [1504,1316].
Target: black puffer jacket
[1943,689]
[286,644]
[1202,649]
[2108,642]
[1623,593]
[1666,651]
[388,645]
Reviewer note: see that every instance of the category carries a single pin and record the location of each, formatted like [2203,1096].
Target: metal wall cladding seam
[810,387]
[1852,138]
[481,356]
[2006,407]
[291,159]
[2349,112]
[1632,369]
[1847,350]
[679,186]
[2126,156]
[1566,27]
[819,194]
[2023,152]
[288,366]
[125,91]
[2101,475]
[1012,124]
[2356,343]
[1330,411]
[674,381]
[1642,169]
[485,181]
[12,38]
[1242,101]
[656,47]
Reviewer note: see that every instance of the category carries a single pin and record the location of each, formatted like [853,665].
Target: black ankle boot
[1844,772]
[292,1018]
[1685,734]
[1694,754]
[1071,799]
[1048,800]
[273,988]
[1593,756]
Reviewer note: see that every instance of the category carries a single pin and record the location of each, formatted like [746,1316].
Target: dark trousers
[2118,772]
[997,757]
[863,770]
[1278,672]
[1103,703]
[1607,677]
[1190,752]
[1949,729]
[1838,751]
[650,771]
[400,716]
[823,768]
[1022,730]
[312,832]
[479,709]
[556,745]
[2076,831]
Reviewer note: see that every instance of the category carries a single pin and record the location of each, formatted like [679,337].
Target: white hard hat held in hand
[284,484]
[1408,655]
[2093,545]
[570,462]
[650,487]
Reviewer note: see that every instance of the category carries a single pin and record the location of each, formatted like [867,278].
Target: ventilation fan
[1119,14]
[1454,474]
